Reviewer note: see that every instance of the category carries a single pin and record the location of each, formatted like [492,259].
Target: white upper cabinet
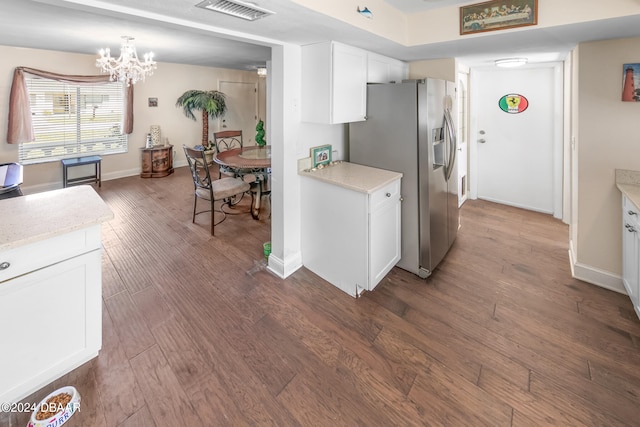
[334,83]
[382,69]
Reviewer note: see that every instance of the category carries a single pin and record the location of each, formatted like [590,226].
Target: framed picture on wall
[497,15]
[631,82]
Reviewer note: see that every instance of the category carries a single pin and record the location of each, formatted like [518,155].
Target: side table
[157,161]
[96,178]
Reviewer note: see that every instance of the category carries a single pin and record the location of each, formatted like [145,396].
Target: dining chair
[227,140]
[224,189]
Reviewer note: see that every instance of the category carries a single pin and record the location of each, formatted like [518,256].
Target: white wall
[607,138]
[443,24]
[167,84]
[435,68]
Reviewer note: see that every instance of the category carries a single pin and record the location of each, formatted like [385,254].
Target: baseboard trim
[282,268]
[595,276]
[32,189]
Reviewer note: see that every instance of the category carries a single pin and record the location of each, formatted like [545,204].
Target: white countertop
[40,216]
[363,179]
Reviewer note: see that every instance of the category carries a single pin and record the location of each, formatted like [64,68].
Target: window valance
[20,129]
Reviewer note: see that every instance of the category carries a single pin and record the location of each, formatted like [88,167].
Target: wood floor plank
[142,418]
[152,306]
[111,281]
[326,404]
[197,330]
[133,332]
[134,274]
[611,376]
[465,328]
[234,381]
[581,408]
[167,402]
[119,392]
[577,342]
[439,401]
[181,352]
[529,409]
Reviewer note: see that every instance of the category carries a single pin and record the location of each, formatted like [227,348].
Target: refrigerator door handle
[452,143]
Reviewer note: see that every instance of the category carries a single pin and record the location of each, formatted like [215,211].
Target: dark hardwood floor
[198,333]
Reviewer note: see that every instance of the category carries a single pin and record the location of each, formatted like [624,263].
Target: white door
[518,154]
[242,109]
[463,130]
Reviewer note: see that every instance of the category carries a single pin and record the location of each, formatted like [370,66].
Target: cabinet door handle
[630,228]
[632,213]
[4,265]
[388,194]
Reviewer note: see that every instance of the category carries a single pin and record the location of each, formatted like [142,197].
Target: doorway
[242,109]
[516,153]
[463,134]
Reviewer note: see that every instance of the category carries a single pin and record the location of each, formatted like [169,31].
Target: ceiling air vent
[237,8]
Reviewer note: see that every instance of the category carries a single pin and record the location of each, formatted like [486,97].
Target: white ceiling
[177,31]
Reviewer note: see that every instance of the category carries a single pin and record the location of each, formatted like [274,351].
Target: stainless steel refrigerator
[410,129]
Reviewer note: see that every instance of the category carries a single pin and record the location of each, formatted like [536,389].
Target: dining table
[255,160]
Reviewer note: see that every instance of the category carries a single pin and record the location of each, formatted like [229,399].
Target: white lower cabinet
[350,238]
[50,310]
[631,251]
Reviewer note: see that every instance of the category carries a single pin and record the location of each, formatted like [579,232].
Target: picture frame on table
[321,155]
[497,15]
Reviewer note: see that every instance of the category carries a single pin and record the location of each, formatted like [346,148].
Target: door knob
[482,141]
[481,132]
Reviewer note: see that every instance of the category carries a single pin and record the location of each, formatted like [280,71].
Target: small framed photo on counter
[320,155]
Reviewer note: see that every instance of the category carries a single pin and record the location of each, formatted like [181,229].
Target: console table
[157,161]
[96,178]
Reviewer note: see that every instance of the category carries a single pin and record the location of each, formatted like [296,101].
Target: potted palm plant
[210,102]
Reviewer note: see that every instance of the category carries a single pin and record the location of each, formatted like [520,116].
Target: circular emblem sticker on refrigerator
[513,103]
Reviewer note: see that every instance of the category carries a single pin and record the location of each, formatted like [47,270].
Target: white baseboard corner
[595,276]
[284,268]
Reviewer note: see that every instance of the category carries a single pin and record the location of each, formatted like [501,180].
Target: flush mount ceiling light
[127,68]
[237,8]
[511,62]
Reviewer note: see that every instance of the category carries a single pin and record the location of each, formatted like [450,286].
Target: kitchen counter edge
[40,216]
[364,179]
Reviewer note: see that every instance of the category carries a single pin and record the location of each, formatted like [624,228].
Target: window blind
[72,120]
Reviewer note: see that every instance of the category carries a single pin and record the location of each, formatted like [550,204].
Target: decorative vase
[208,155]
[155,134]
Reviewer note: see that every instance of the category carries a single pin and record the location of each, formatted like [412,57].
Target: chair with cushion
[227,140]
[224,189]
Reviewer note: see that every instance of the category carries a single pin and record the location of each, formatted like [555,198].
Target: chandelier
[127,68]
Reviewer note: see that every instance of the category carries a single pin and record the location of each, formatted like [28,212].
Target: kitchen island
[50,286]
[350,224]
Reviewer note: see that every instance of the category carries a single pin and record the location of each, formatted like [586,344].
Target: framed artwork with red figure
[631,82]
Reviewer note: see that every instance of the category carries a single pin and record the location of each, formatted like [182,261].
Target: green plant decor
[210,102]
[260,134]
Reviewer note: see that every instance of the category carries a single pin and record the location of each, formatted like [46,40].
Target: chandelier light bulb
[127,68]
